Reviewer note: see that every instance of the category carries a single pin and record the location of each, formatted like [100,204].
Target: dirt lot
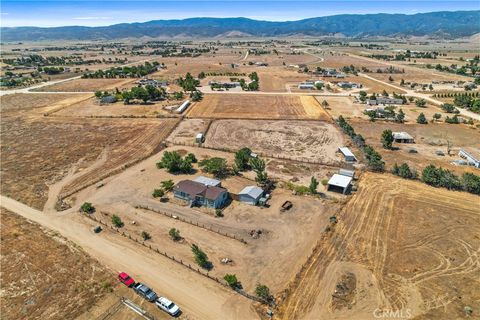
[84,85]
[233,106]
[45,276]
[36,152]
[412,248]
[21,101]
[298,140]
[276,79]
[187,130]
[428,139]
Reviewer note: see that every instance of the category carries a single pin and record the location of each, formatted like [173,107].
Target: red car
[126,279]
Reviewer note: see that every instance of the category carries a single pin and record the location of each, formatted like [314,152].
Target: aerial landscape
[240,160]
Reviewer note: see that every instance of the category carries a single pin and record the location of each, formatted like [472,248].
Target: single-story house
[472,159]
[349,156]
[208,181]
[402,137]
[305,85]
[339,182]
[199,194]
[250,195]
[384,101]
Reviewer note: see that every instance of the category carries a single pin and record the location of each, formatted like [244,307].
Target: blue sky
[107,12]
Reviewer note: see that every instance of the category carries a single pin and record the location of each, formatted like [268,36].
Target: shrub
[117,222]
[191,158]
[231,280]
[158,193]
[404,171]
[217,166]
[471,183]
[167,185]
[174,234]
[387,139]
[262,291]
[421,119]
[87,207]
[146,236]
[201,257]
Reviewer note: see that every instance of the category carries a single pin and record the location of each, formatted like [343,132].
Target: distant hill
[435,24]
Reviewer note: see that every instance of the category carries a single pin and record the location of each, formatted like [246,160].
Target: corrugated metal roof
[207,181]
[252,191]
[346,152]
[401,135]
[340,180]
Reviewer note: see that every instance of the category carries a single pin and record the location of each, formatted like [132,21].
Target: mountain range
[444,24]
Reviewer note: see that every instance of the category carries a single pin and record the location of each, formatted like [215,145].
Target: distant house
[200,138]
[306,85]
[250,195]
[199,194]
[384,101]
[472,159]
[339,182]
[349,85]
[349,156]
[402,137]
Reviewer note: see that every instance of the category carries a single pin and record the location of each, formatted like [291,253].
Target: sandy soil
[395,241]
[257,107]
[301,140]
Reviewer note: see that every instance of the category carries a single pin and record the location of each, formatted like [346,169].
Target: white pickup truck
[168,306]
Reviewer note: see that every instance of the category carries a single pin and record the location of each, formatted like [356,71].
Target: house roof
[340,180]
[346,172]
[346,152]
[207,181]
[252,191]
[194,188]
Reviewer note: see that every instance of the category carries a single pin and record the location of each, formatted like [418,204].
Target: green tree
[196,95]
[191,158]
[387,139]
[201,257]
[231,280]
[216,166]
[98,94]
[127,97]
[471,183]
[146,236]
[174,234]
[87,207]
[167,185]
[404,171]
[313,185]
[420,103]
[362,96]
[117,222]
[140,93]
[262,291]
[422,119]
[242,158]
[173,162]
[400,116]
[158,193]
[257,164]
[437,116]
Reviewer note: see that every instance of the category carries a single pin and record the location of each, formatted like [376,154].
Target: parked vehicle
[126,279]
[145,292]
[167,306]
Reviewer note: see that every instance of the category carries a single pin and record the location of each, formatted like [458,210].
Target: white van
[167,306]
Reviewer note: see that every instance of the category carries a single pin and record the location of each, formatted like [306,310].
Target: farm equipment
[287,205]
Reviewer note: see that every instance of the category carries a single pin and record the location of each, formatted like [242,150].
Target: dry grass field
[412,248]
[187,130]
[233,106]
[37,152]
[276,79]
[22,101]
[86,85]
[300,140]
[45,276]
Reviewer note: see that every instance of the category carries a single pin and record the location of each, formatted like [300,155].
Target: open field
[92,108]
[37,152]
[299,140]
[45,276]
[276,80]
[187,130]
[85,85]
[403,248]
[428,139]
[243,106]
[22,101]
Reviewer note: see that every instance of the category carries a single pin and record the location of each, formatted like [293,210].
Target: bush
[374,159]
[87,207]
[231,280]
[217,166]
[173,162]
[439,177]
[158,193]
[167,185]
[262,291]
[174,234]
[421,119]
[387,139]
[201,257]
[404,171]
[117,222]
[471,183]
[146,236]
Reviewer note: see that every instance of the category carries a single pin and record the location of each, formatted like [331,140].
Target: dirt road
[198,297]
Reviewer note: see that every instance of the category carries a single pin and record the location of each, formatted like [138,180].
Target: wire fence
[196,224]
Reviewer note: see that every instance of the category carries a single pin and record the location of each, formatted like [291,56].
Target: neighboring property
[339,182]
[402,137]
[349,156]
[208,181]
[197,193]
[224,84]
[349,85]
[472,159]
[384,101]
[250,195]
[306,85]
